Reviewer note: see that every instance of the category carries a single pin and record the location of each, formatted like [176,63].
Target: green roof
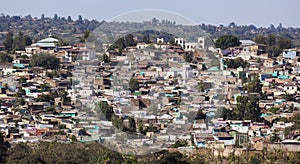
[213,69]
[283,76]
[48,42]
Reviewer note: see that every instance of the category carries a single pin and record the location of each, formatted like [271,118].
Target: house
[290,88]
[46,45]
[290,53]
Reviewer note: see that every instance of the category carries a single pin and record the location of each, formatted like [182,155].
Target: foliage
[200,86]
[104,58]
[235,63]
[275,43]
[188,57]
[4,145]
[226,41]
[255,159]
[86,34]
[54,152]
[247,109]
[20,101]
[17,43]
[133,84]
[132,124]
[45,60]
[5,58]
[295,126]
[254,86]
[106,110]
[9,41]
[180,143]
[274,138]
[200,115]
[21,92]
[274,109]
[123,42]
[45,98]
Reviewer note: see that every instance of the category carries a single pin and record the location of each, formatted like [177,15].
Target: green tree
[200,86]
[226,41]
[132,124]
[235,63]
[4,145]
[9,41]
[188,57]
[133,84]
[5,58]
[260,39]
[105,58]
[21,41]
[200,115]
[105,110]
[45,60]
[254,86]
[180,143]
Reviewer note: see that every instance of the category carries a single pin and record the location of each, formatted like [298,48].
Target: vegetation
[17,43]
[5,58]
[235,63]
[123,42]
[254,86]
[4,146]
[200,115]
[188,57]
[226,41]
[105,58]
[275,43]
[247,109]
[180,143]
[105,110]
[55,152]
[133,84]
[44,60]
[296,126]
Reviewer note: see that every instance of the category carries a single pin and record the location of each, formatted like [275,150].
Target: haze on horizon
[215,12]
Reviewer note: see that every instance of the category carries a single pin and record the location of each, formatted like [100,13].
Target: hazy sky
[216,12]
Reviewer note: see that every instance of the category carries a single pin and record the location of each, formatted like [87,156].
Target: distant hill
[71,30]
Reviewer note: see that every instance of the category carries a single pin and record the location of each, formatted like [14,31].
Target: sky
[215,12]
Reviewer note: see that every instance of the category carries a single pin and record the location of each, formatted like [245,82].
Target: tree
[226,41]
[45,60]
[80,21]
[180,143]
[42,16]
[133,84]
[271,40]
[254,86]
[21,41]
[69,19]
[105,58]
[55,17]
[200,86]
[4,145]
[235,63]
[200,115]
[5,58]
[246,109]
[9,41]
[260,39]
[106,110]
[188,57]
[132,124]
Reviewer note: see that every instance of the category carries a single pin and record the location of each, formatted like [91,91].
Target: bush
[45,60]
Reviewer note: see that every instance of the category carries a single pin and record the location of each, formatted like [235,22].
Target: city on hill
[184,93]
